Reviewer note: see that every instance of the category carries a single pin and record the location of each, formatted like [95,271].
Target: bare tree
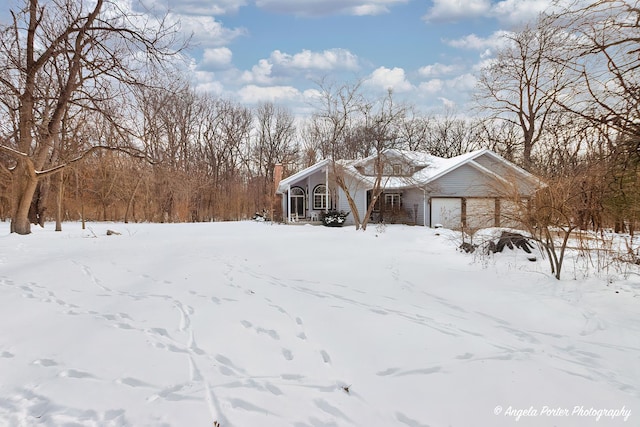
[330,126]
[413,130]
[524,82]
[450,135]
[61,55]
[274,143]
[381,129]
[605,55]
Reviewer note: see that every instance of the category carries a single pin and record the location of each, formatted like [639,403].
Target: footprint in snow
[158,331]
[44,362]
[465,356]
[122,326]
[73,373]
[273,334]
[287,354]
[132,382]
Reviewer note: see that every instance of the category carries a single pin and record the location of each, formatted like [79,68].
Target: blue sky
[427,51]
[276,50]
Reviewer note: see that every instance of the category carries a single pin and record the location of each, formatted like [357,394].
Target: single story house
[478,189]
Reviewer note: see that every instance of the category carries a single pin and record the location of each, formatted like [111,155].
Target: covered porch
[307,195]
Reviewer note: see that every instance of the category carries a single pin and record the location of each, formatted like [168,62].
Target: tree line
[97,124]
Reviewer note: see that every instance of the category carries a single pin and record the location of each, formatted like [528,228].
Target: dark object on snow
[113,233]
[468,247]
[262,216]
[334,218]
[511,240]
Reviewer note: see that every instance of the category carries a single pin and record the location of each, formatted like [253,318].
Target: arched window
[320,197]
[297,191]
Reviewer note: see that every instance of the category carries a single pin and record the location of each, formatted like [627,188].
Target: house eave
[286,182]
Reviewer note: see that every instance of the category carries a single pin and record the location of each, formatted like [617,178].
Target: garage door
[481,213]
[446,212]
[510,214]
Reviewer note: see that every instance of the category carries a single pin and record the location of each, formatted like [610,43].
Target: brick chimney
[277,176]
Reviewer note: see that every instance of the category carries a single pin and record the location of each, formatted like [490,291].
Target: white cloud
[454,10]
[260,73]
[484,63]
[431,86]
[252,94]
[518,11]
[473,42]
[386,78]
[447,103]
[219,57]
[437,69]
[506,11]
[195,7]
[464,83]
[324,7]
[206,30]
[327,60]
[280,65]
[459,85]
[205,81]
[369,10]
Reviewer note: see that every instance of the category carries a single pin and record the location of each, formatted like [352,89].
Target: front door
[297,202]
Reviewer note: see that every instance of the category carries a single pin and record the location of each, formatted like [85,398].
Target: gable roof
[284,184]
[430,168]
[433,167]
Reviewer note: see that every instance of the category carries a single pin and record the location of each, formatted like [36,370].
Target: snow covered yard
[251,324]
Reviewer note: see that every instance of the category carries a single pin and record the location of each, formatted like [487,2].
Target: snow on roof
[431,167]
[282,186]
[428,168]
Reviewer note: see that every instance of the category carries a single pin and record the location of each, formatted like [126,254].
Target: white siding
[413,203]
[465,181]
[359,197]
[515,177]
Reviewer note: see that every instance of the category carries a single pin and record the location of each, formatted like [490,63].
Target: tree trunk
[130,203]
[25,183]
[60,197]
[38,209]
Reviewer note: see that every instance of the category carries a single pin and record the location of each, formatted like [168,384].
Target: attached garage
[476,212]
[509,214]
[480,212]
[446,211]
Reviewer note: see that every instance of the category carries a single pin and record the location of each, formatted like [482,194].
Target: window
[397,169]
[320,197]
[393,200]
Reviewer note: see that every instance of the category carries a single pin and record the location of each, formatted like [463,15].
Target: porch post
[424,207]
[309,197]
[289,203]
[326,187]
